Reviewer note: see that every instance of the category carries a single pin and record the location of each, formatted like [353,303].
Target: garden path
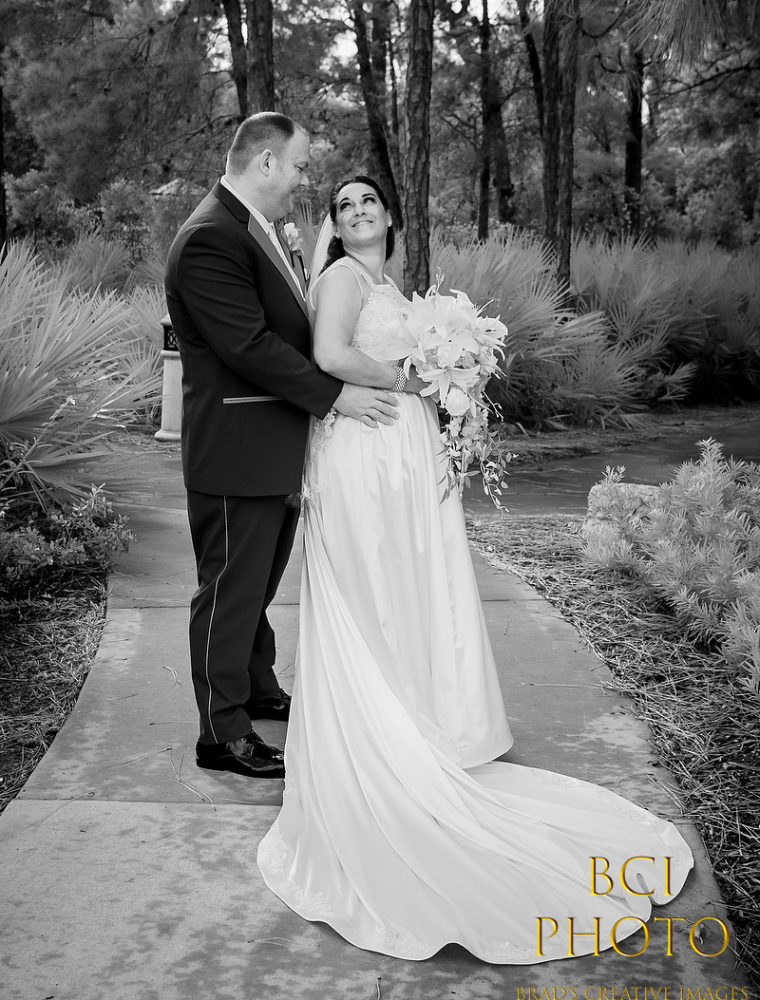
[561,486]
[128,873]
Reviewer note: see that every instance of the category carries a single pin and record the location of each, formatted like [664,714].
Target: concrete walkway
[129,874]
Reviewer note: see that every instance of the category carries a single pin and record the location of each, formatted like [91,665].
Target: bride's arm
[338,302]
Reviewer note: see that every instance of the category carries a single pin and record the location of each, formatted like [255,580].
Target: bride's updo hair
[335,247]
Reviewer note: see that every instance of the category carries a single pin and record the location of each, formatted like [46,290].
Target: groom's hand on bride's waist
[370,406]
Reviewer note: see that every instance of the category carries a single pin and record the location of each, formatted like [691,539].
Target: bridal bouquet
[455,349]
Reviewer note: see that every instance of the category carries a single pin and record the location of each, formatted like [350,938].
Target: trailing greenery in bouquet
[456,349]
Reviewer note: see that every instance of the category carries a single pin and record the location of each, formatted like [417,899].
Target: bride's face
[360,220]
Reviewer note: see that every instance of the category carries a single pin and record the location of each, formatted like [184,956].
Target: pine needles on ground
[696,545]
[49,644]
[703,722]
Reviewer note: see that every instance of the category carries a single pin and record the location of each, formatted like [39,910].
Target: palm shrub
[96,261]
[142,342]
[93,262]
[697,545]
[715,317]
[626,281]
[561,365]
[692,312]
[71,367]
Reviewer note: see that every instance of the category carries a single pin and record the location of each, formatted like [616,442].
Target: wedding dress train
[397,827]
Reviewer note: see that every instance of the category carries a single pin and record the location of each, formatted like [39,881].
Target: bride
[398,828]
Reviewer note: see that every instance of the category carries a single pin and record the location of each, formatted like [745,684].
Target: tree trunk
[534,62]
[568,80]
[260,55]
[484,190]
[417,180]
[502,170]
[3,204]
[394,139]
[634,142]
[654,94]
[237,48]
[373,92]
[551,95]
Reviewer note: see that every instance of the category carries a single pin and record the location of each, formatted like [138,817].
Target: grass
[703,724]
[48,647]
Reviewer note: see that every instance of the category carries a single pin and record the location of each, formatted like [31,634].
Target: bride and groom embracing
[398,826]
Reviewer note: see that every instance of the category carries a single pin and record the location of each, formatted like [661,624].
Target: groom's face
[290,171]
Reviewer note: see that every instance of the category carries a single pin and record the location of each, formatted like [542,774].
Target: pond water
[562,485]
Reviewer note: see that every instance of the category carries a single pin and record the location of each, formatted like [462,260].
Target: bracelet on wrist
[401,379]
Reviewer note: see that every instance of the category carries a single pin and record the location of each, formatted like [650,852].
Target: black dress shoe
[250,756]
[272,708]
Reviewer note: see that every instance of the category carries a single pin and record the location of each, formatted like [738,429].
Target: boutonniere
[293,237]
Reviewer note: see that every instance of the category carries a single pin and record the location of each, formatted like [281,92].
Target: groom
[236,299]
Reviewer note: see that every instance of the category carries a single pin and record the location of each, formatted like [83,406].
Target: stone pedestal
[171,394]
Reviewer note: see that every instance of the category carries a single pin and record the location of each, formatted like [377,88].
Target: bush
[73,364]
[697,545]
[38,208]
[716,215]
[126,214]
[691,312]
[171,205]
[41,551]
[561,365]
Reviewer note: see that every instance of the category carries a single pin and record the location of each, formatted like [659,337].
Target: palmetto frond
[71,364]
[682,28]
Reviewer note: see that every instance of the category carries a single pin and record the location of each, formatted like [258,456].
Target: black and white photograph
[380,500]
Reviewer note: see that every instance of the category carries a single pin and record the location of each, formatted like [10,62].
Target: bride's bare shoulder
[341,278]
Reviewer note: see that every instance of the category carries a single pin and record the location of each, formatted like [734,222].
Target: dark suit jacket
[248,382]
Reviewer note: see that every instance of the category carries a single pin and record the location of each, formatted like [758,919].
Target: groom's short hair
[266,130]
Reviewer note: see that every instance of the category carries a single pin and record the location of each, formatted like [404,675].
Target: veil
[319,256]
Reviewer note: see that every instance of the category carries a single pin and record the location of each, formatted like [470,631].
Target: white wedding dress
[396,828]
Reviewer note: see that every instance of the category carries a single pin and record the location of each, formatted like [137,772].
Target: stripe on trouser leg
[213,609]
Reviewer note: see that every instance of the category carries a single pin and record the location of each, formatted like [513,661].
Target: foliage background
[142,93]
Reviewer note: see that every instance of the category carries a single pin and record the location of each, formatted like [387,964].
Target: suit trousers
[242,546]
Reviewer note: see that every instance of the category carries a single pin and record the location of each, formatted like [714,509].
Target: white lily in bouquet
[456,350]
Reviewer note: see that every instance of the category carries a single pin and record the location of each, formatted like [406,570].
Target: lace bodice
[381,313]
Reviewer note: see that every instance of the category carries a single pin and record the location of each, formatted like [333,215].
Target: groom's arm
[216,287]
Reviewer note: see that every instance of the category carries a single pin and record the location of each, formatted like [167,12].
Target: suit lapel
[268,247]
[262,239]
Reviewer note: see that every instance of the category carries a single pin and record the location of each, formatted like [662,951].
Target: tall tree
[534,61]
[417,177]
[494,167]
[551,101]
[252,54]
[484,195]
[123,95]
[239,58]
[372,58]
[634,140]
[495,136]
[260,23]
[3,209]
[561,32]
[569,79]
